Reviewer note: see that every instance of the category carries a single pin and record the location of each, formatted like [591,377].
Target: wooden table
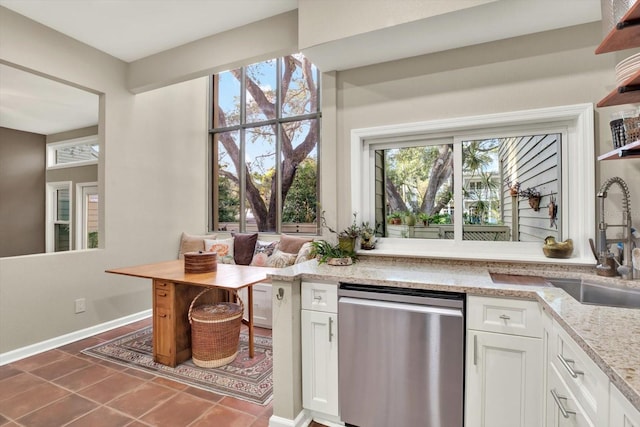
[173,291]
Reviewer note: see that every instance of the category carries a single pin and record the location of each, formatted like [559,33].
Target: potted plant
[367,236]
[534,197]
[422,216]
[514,188]
[409,219]
[394,218]
[346,238]
[331,254]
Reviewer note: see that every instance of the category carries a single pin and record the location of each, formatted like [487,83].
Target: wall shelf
[627,93]
[628,151]
[625,35]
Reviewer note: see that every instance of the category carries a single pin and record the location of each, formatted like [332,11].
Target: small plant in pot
[394,218]
[367,236]
[534,196]
[410,219]
[331,254]
[424,218]
[514,188]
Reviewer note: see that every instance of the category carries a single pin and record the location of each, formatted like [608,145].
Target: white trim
[51,213]
[578,204]
[33,349]
[53,147]
[81,213]
[303,419]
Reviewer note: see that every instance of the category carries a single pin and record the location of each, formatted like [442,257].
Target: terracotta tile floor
[63,387]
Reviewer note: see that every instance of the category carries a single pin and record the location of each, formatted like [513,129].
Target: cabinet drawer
[505,316]
[320,296]
[563,409]
[163,298]
[583,377]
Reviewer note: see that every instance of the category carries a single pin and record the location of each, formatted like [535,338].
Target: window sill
[471,250]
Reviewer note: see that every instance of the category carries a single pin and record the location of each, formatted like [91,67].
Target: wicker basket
[215,332]
[200,262]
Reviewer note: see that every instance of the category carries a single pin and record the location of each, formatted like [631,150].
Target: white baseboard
[33,349]
[302,420]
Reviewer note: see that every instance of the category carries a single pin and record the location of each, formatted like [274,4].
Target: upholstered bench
[249,249]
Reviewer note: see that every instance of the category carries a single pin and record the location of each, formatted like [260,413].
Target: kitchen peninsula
[608,336]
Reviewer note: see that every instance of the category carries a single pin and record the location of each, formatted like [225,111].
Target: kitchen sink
[594,293]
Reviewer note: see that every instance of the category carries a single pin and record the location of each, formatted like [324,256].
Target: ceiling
[134,29]
[125,29]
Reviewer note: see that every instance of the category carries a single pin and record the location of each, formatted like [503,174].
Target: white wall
[153,172]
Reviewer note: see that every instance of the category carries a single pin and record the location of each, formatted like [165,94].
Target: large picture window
[265,137]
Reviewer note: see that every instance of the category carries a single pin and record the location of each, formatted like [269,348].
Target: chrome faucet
[625,269]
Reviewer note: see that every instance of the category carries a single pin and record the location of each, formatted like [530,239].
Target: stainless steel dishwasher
[400,357]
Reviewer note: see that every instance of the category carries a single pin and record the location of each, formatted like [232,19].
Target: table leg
[250,323]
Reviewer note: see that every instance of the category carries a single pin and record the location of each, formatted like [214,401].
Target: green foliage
[228,200]
[302,199]
[92,240]
[323,251]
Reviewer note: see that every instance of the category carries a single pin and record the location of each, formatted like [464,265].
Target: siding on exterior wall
[532,161]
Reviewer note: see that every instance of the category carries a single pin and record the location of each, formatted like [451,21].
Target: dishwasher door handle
[456,312]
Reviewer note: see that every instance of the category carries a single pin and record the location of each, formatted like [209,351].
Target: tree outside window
[265,138]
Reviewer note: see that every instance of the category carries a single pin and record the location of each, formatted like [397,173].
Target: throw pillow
[243,246]
[223,247]
[304,254]
[281,259]
[262,252]
[192,243]
[292,244]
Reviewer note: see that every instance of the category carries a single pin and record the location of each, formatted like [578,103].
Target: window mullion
[278,161]
[242,176]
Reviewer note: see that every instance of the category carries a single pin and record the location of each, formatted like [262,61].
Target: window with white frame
[59,224]
[73,152]
[547,151]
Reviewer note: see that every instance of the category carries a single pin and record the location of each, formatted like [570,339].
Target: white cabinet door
[504,381]
[320,361]
[621,412]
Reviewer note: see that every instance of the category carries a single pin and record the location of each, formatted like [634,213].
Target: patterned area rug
[244,378]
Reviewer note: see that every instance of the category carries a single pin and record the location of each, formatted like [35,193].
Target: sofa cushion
[292,244]
[281,259]
[224,248]
[244,245]
[304,254]
[262,252]
[192,243]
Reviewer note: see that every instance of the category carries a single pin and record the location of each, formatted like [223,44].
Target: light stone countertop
[610,336]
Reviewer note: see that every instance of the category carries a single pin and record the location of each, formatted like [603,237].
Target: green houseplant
[332,254]
[367,236]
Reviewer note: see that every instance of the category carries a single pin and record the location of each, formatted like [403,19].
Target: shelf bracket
[629,23]
[628,88]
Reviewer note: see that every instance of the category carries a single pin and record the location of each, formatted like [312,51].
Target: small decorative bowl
[553,249]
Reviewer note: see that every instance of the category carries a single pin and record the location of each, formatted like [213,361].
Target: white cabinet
[587,385]
[563,409]
[262,311]
[621,412]
[504,363]
[320,348]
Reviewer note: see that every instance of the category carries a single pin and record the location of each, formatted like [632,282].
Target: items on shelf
[625,127]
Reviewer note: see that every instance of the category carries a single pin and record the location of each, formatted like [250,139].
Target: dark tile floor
[63,387]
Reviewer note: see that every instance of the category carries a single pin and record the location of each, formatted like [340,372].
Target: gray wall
[22,192]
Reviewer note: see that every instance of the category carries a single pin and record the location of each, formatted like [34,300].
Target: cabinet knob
[318,298]
[505,317]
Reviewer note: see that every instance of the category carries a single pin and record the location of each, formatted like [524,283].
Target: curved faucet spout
[603,251]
